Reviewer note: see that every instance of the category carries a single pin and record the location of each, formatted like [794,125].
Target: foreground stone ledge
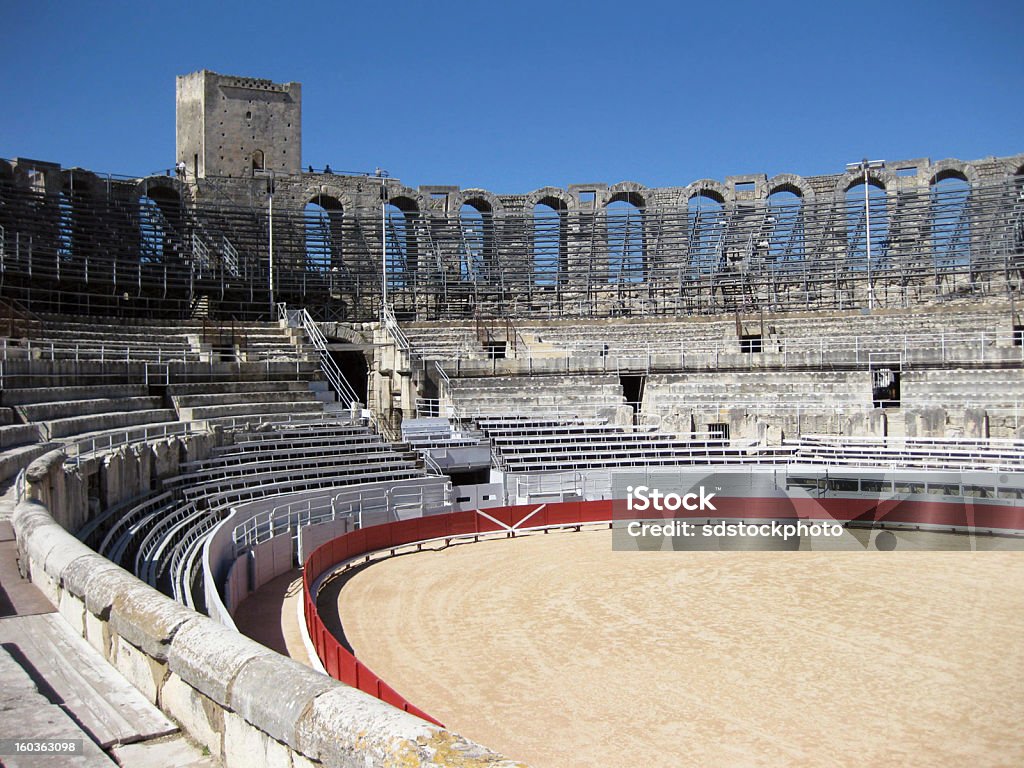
[250,706]
[26,518]
[209,656]
[349,728]
[277,692]
[97,581]
[147,619]
[40,469]
[199,715]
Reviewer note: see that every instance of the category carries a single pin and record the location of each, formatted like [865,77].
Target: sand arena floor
[557,651]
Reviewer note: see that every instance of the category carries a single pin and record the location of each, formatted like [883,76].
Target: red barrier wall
[343,666]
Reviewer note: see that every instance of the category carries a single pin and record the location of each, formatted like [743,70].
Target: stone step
[12,435]
[103,422]
[26,711]
[232,398]
[31,395]
[67,409]
[75,676]
[249,409]
[13,460]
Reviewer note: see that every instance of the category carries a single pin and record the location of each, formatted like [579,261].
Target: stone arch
[481,199]
[711,189]
[950,225]
[331,192]
[165,187]
[159,204]
[324,237]
[952,169]
[1017,177]
[549,236]
[880,178]
[782,240]
[477,244]
[626,191]
[789,182]
[623,224]
[704,227]
[403,236]
[408,200]
[80,181]
[553,197]
[867,215]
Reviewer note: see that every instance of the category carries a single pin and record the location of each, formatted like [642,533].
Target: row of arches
[630,232]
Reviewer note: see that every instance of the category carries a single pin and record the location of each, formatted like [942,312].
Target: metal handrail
[329,368]
[290,517]
[390,324]
[80,450]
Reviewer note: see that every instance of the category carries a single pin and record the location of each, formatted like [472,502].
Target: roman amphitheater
[252,411]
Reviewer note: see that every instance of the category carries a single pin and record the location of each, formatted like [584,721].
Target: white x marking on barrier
[514,527]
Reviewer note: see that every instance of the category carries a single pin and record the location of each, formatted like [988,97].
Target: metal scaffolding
[123,248]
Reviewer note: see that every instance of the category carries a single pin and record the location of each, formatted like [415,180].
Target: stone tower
[233,126]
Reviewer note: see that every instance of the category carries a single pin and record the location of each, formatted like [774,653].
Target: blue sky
[512,96]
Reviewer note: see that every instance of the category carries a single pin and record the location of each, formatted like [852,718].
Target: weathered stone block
[976,423]
[97,581]
[138,668]
[73,610]
[208,656]
[97,633]
[276,692]
[242,742]
[147,619]
[199,715]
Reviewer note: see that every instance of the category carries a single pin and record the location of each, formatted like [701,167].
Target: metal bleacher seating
[525,444]
[160,537]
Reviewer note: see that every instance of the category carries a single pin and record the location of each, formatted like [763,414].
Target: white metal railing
[20,486]
[200,252]
[302,319]
[941,442]
[80,450]
[353,503]
[185,559]
[499,407]
[12,349]
[433,407]
[897,452]
[434,469]
[441,373]
[390,324]
[230,254]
